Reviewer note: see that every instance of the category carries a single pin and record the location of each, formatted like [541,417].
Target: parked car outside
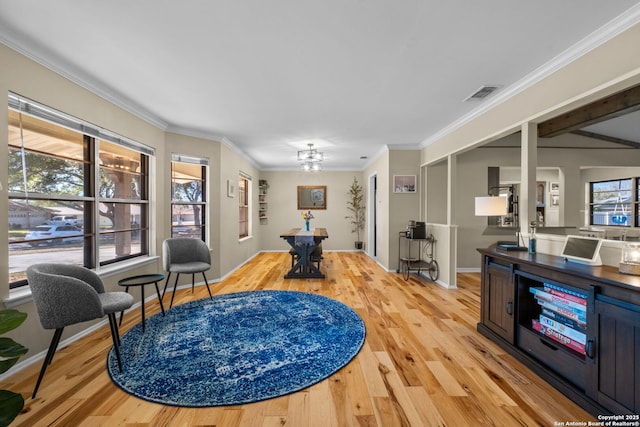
[55,234]
[64,220]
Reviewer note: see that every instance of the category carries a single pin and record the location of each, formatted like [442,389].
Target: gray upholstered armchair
[67,294]
[185,255]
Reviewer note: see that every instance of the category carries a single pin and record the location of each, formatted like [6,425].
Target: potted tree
[356,206]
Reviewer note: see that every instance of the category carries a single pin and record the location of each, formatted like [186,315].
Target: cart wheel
[433,270]
[405,270]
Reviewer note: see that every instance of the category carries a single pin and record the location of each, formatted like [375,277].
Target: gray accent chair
[185,255]
[67,294]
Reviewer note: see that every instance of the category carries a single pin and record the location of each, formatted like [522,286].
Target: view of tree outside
[188,200]
[57,211]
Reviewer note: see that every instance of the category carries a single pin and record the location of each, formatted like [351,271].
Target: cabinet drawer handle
[509,307]
[552,347]
[589,348]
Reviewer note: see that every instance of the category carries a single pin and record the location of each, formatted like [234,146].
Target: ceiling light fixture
[311,159]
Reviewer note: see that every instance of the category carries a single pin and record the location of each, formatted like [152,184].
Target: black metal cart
[415,262]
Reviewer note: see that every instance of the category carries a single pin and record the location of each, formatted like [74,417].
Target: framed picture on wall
[555,194]
[231,188]
[312,197]
[404,183]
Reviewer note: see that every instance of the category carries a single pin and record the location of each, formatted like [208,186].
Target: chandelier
[310,159]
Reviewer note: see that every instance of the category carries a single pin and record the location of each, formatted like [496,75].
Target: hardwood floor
[422,364]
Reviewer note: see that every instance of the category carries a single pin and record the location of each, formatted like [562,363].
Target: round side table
[141,281]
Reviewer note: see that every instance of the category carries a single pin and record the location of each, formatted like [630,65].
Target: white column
[452,184]
[528,165]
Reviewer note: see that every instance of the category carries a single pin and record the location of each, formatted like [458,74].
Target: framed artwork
[404,183]
[231,188]
[555,194]
[312,197]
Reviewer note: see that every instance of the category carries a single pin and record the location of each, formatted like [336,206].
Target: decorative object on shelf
[307,217]
[630,261]
[356,206]
[310,159]
[619,217]
[416,229]
[497,206]
[263,208]
[532,237]
[404,183]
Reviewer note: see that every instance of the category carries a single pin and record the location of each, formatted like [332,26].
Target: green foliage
[10,351]
[355,205]
[10,406]
[47,175]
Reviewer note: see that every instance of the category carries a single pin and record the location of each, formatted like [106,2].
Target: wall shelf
[263,205]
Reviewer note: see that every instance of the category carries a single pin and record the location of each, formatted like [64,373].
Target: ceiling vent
[482,93]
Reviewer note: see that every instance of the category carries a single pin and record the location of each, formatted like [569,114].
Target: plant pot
[359,245]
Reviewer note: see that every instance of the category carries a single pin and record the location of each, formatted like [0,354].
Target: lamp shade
[491,206]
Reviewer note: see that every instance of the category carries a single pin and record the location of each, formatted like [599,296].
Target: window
[77,194]
[612,203]
[188,196]
[244,198]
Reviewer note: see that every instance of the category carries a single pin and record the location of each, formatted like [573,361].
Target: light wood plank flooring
[422,364]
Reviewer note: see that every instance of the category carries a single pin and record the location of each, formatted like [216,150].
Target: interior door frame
[372,195]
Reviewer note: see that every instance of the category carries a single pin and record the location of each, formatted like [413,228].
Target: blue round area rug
[237,348]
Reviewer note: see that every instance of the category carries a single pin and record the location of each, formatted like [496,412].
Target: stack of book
[563,316]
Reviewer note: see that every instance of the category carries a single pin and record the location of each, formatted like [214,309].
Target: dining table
[304,242]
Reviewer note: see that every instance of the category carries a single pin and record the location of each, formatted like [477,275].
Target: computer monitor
[582,249]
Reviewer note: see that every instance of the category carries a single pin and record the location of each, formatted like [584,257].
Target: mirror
[312,197]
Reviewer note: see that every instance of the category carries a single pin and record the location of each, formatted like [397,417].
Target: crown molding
[84,81]
[597,38]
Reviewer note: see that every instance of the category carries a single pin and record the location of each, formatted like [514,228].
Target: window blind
[25,105]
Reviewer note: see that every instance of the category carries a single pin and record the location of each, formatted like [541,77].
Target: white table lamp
[497,206]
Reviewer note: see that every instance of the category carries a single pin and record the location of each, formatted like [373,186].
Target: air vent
[482,93]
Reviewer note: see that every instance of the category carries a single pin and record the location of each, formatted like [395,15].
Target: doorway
[372,248]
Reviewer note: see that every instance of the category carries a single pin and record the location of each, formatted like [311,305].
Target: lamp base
[510,246]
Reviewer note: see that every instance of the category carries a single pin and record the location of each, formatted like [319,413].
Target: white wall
[23,76]
[232,251]
[380,168]
[284,214]
[402,206]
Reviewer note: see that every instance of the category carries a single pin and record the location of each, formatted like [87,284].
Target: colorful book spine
[566,291]
[563,329]
[558,337]
[569,322]
[566,296]
[540,294]
[571,314]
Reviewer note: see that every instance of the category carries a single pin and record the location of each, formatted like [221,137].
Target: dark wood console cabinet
[576,326]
